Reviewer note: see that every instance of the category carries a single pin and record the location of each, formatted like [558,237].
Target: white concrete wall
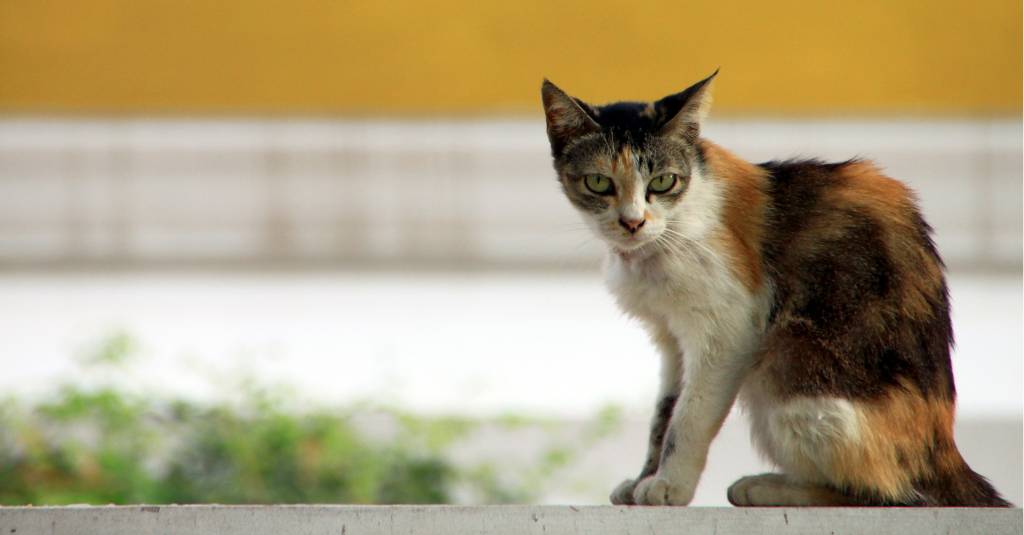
[510,520]
[449,192]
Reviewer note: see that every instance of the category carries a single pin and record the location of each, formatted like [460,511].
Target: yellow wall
[422,56]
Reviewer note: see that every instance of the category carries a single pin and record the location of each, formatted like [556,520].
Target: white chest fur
[693,293]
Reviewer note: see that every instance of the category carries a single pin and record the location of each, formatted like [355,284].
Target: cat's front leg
[668,394]
[712,383]
[623,494]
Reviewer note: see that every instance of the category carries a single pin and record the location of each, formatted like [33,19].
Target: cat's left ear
[684,112]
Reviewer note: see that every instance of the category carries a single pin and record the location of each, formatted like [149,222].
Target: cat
[810,291]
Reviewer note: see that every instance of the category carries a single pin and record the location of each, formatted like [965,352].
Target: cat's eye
[598,184]
[662,183]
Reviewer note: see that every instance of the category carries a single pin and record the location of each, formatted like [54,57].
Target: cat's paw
[659,490]
[623,494]
[755,490]
[777,490]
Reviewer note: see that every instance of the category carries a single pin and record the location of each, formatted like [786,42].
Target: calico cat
[811,291]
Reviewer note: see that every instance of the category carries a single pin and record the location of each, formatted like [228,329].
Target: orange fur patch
[892,451]
[624,160]
[744,211]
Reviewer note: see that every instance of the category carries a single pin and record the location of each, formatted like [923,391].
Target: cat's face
[627,167]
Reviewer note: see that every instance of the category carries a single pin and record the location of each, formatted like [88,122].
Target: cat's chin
[633,250]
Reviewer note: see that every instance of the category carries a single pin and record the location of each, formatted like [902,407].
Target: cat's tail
[957,485]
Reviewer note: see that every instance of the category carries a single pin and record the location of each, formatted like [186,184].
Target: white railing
[452,192]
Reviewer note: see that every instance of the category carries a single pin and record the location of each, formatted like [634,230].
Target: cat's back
[853,264]
[812,200]
[847,212]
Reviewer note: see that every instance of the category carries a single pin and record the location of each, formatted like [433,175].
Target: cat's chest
[699,301]
[680,289]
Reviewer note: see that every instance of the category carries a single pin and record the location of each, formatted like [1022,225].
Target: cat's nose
[632,225]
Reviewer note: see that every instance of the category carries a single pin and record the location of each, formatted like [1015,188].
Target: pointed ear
[566,117]
[684,112]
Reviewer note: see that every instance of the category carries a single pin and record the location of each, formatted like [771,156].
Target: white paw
[659,490]
[623,493]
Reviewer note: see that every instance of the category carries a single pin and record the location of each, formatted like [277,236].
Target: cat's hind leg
[896,449]
[777,490]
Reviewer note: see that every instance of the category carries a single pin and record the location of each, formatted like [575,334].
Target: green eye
[662,183]
[598,184]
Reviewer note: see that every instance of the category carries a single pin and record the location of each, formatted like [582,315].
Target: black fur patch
[836,312]
[659,426]
[627,121]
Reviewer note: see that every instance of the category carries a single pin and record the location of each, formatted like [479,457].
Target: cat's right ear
[565,116]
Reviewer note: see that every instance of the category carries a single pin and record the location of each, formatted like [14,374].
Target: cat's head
[628,166]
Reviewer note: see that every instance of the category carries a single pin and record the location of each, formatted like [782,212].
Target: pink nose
[632,225]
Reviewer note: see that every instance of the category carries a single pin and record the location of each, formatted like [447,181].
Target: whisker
[672,232]
[688,245]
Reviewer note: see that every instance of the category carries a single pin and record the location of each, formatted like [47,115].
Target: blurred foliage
[102,444]
[116,349]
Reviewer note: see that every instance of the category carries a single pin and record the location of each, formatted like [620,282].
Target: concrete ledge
[496,520]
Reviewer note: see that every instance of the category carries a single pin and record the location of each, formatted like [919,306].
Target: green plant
[103,445]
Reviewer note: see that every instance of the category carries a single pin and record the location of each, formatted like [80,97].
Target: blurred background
[312,251]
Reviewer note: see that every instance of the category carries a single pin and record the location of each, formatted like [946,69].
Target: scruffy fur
[810,291]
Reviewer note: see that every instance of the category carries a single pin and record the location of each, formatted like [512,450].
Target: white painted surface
[482,343]
[510,520]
